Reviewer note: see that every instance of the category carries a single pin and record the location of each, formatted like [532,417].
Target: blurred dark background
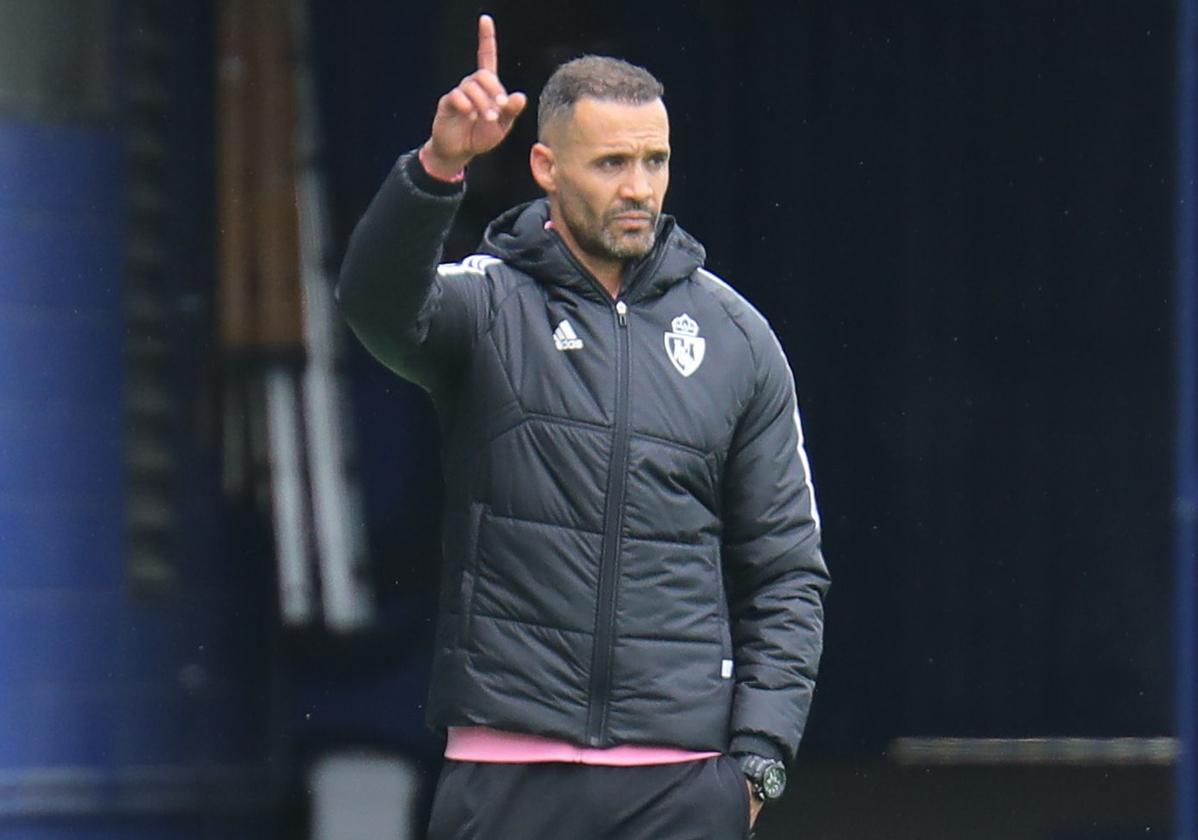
[958,219]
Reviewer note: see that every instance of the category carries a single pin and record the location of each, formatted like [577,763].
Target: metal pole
[1186,239]
[336,495]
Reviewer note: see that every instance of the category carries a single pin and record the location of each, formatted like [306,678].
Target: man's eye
[611,163]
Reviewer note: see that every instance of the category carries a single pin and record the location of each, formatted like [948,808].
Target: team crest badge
[684,346]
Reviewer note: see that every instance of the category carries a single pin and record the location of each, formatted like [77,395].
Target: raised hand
[475,116]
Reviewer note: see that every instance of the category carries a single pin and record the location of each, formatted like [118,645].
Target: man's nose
[637,186]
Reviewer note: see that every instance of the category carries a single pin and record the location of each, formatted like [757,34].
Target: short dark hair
[597,76]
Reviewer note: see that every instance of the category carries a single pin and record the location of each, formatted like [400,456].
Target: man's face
[610,175]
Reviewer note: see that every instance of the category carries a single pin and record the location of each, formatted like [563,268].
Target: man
[631,613]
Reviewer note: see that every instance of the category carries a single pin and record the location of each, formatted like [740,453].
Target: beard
[600,235]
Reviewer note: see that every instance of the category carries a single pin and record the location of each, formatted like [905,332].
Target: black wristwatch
[767,775]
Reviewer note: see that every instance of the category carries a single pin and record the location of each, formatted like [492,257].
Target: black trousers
[693,800]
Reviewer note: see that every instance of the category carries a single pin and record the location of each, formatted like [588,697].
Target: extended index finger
[488,48]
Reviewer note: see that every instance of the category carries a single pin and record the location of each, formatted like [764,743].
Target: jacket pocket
[469,572]
[725,621]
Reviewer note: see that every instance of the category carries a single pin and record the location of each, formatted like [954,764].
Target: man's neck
[609,273]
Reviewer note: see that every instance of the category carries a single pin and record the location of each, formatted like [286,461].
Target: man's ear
[543,166]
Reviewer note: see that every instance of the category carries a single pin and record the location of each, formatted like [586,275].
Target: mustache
[632,207]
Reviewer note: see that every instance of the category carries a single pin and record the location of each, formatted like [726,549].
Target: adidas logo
[564,337]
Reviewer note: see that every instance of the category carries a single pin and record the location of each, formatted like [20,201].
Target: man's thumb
[516,103]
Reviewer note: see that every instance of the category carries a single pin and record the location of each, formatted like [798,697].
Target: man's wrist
[752,743]
[450,172]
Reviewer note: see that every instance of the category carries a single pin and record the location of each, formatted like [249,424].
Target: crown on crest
[685,325]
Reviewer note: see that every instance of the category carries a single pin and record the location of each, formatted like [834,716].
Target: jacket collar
[519,238]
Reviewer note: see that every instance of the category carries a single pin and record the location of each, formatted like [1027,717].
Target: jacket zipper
[612,527]
[613,518]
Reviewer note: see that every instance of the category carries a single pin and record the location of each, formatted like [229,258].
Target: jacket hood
[519,238]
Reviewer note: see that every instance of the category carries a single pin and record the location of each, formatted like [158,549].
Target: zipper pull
[622,313]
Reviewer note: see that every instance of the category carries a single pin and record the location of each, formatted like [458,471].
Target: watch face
[773,781]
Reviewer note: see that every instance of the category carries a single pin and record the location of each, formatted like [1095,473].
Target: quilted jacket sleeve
[414,316]
[775,572]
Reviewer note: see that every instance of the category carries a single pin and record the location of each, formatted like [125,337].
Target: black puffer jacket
[631,546]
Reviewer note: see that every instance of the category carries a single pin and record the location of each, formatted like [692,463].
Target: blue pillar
[1186,237]
[121,716]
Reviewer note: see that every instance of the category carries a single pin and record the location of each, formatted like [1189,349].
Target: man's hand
[755,805]
[475,116]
